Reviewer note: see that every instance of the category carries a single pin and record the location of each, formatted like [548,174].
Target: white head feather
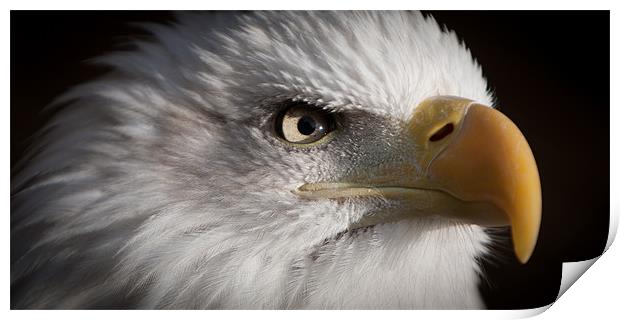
[158,186]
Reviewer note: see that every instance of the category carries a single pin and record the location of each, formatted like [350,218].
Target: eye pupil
[306,125]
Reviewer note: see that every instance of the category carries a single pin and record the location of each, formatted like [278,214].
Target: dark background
[549,71]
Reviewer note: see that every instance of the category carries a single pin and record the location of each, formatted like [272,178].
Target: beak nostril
[442,132]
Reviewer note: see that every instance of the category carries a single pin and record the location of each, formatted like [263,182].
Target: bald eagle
[321,160]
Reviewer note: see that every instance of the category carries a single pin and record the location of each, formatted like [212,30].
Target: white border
[314,5]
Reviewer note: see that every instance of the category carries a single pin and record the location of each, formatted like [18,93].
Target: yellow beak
[472,164]
[489,160]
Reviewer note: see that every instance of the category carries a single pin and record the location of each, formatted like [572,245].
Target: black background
[549,71]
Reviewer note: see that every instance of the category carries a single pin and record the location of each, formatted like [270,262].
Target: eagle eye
[304,124]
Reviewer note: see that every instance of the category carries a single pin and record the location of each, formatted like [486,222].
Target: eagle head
[273,160]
